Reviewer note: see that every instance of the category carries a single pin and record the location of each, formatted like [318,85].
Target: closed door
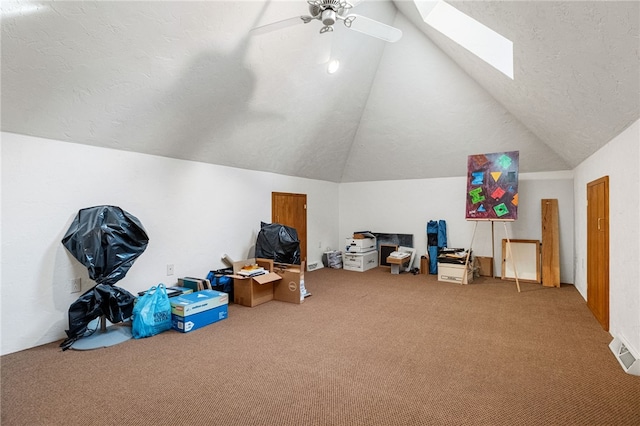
[598,249]
[291,210]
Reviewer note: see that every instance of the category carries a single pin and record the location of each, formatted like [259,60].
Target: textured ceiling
[188,80]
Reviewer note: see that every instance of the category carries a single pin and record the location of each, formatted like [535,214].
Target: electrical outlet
[170,269]
[76,285]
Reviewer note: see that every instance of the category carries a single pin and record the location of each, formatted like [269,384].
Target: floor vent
[629,361]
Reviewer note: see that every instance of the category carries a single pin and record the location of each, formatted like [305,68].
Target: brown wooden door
[598,249]
[291,210]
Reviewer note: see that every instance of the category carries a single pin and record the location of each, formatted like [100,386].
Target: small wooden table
[397,262]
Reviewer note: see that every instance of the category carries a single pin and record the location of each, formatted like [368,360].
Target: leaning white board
[526,256]
[413,256]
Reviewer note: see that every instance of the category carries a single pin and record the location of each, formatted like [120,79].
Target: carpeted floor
[366,349]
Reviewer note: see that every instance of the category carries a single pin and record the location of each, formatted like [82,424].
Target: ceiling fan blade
[373,28]
[279,25]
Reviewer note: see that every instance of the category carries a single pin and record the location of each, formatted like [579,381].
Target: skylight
[11,9]
[480,40]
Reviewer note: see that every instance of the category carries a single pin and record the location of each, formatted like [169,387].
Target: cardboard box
[453,273]
[361,235]
[360,262]
[253,291]
[485,266]
[193,303]
[424,265]
[291,287]
[199,320]
[360,245]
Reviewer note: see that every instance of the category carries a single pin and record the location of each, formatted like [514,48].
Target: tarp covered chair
[106,240]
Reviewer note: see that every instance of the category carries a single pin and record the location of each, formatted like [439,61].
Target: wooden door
[598,249]
[291,210]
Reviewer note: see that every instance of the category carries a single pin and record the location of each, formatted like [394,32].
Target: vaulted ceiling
[189,80]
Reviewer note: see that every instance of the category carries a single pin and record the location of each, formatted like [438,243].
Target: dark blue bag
[221,282]
[151,313]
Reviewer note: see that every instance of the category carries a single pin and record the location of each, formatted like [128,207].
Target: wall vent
[313,266]
[629,361]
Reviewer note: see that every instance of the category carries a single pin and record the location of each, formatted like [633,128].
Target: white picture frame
[526,258]
[413,256]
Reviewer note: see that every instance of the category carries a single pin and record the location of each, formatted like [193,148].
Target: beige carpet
[365,349]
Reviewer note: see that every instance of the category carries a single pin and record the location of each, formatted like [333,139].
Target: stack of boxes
[361,253]
[193,311]
[452,263]
[283,282]
[452,273]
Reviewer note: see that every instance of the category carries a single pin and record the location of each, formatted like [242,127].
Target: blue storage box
[199,320]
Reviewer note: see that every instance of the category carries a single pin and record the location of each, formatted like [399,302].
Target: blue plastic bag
[151,313]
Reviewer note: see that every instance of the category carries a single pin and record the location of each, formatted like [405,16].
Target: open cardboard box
[283,282]
[252,291]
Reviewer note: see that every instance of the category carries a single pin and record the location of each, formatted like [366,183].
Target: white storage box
[453,273]
[360,262]
[360,245]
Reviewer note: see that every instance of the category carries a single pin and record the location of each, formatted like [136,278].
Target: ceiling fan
[331,11]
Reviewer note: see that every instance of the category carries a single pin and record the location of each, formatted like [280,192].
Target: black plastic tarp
[115,303]
[278,242]
[106,240]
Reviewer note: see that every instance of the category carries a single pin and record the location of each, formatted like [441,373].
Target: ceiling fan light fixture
[328,17]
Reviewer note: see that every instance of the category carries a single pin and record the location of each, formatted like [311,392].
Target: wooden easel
[506,233]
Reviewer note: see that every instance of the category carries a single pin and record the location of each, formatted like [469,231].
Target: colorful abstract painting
[492,186]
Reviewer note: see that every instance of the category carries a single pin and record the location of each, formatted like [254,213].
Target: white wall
[193,212]
[620,160]
[405,207]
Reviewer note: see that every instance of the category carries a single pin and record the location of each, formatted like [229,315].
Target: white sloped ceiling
[188,80]
[425,116]
[576,66]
